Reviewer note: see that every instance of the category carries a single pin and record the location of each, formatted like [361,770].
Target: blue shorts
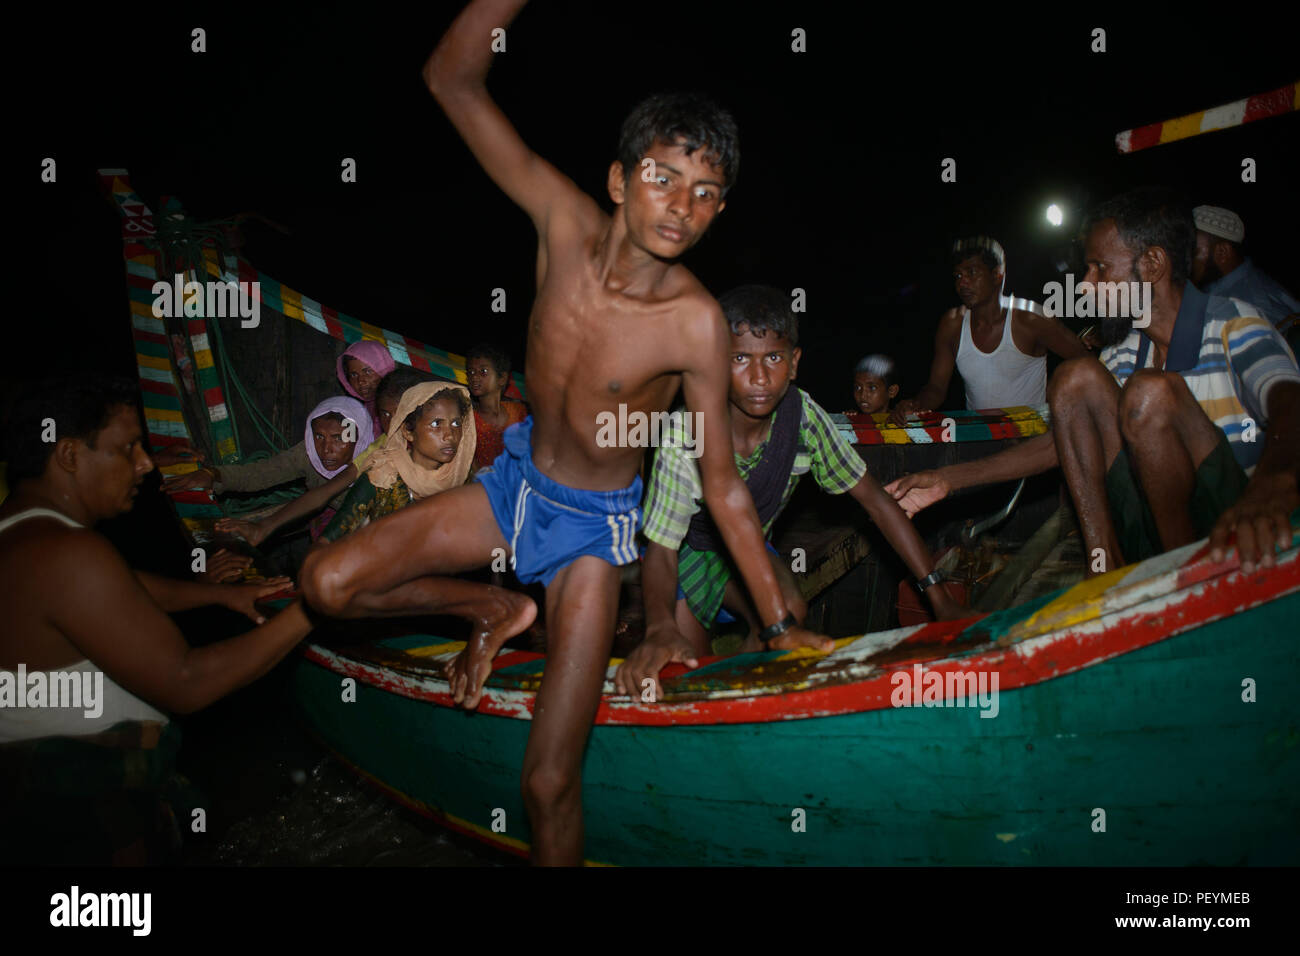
[549,525]
[725,616]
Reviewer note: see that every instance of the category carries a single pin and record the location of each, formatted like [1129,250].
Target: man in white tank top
[85,642]
[999,344]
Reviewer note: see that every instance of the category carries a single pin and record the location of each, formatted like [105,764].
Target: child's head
[487,370]
[389,393]
[678,155]
[433,430]
[875,384]
[764,354]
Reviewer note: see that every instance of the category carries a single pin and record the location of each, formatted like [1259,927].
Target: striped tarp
[990,424]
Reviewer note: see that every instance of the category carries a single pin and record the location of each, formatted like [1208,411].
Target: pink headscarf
[351,410]
[374,354]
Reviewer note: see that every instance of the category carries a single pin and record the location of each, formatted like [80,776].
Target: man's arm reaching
[1052,334]
[941,367]
[116,624]
[918,491]
[456,74]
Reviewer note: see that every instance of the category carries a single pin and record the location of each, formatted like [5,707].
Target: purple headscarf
[374,354]
[350,409]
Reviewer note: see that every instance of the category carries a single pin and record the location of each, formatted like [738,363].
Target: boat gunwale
[1174,600]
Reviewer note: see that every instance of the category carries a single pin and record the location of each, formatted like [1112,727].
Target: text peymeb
[637,429]
[218,300]
[71,689]
[102,909]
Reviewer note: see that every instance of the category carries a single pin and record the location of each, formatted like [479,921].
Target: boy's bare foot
[503,616]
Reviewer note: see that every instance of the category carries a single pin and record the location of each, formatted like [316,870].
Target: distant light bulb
[1054,215]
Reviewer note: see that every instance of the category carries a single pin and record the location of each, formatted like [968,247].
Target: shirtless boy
[616,322]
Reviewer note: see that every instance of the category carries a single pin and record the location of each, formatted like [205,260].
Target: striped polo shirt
[1229,356]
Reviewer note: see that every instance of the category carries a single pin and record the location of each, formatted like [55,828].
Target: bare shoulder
[949,330]
[698,316]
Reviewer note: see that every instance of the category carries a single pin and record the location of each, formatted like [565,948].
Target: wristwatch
[931,579]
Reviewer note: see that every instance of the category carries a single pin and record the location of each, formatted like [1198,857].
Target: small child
[487,372]
[875,384]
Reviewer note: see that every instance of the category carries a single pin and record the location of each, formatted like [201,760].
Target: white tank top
[1004,377]
[107,701]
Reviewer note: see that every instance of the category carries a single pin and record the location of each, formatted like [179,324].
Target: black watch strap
[775,630]
[931,579]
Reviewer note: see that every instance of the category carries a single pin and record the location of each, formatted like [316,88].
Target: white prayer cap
[1220,222]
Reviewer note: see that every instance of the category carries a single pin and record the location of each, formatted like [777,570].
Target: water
[275,797]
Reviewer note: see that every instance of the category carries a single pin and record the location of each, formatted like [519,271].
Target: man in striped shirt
[779,434]
[1190,423]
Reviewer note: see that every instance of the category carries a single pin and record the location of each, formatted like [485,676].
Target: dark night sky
[839,189]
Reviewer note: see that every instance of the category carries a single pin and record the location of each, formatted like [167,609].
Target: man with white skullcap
[999,344]
[1219,268]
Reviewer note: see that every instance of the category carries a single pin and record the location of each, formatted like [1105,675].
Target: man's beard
[1115,329]
[1212,272]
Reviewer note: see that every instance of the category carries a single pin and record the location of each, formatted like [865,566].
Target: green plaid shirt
[676,493]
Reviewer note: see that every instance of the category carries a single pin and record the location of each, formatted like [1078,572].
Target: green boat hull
[1159,739]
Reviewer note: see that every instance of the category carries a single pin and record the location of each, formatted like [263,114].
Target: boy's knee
[1076,381]
[323,584]
[546,786]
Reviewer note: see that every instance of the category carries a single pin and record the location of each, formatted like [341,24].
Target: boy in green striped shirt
[778,434]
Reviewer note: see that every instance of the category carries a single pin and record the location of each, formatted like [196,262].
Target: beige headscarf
[394,459]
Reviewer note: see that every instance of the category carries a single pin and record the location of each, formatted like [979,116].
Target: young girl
[487,370]
[361,367]
[875,384]
[430,448]
[387,397]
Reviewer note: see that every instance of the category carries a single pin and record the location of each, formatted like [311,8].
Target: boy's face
[482,378]
[871,394]
[385,409]
[762,368]
[672,211]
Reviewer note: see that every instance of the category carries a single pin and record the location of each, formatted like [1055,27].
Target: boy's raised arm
[456,74]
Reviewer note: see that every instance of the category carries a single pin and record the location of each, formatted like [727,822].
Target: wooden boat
[1142,717]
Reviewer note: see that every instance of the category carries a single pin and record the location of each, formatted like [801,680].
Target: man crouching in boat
[778,435]
[89,659]
[618,323]
[1187,426]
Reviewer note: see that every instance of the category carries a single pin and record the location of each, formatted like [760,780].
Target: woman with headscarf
[360,368]
[335,429]
[430,449]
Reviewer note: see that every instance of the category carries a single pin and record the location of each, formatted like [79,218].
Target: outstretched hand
[175,455]
[251,531]
[244,597]
[200,480]
[914,493]
[907,408]
[224,566]
[649,658]
[1260,520]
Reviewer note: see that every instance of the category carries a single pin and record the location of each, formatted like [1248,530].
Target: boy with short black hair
[779,434]
[617,324]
